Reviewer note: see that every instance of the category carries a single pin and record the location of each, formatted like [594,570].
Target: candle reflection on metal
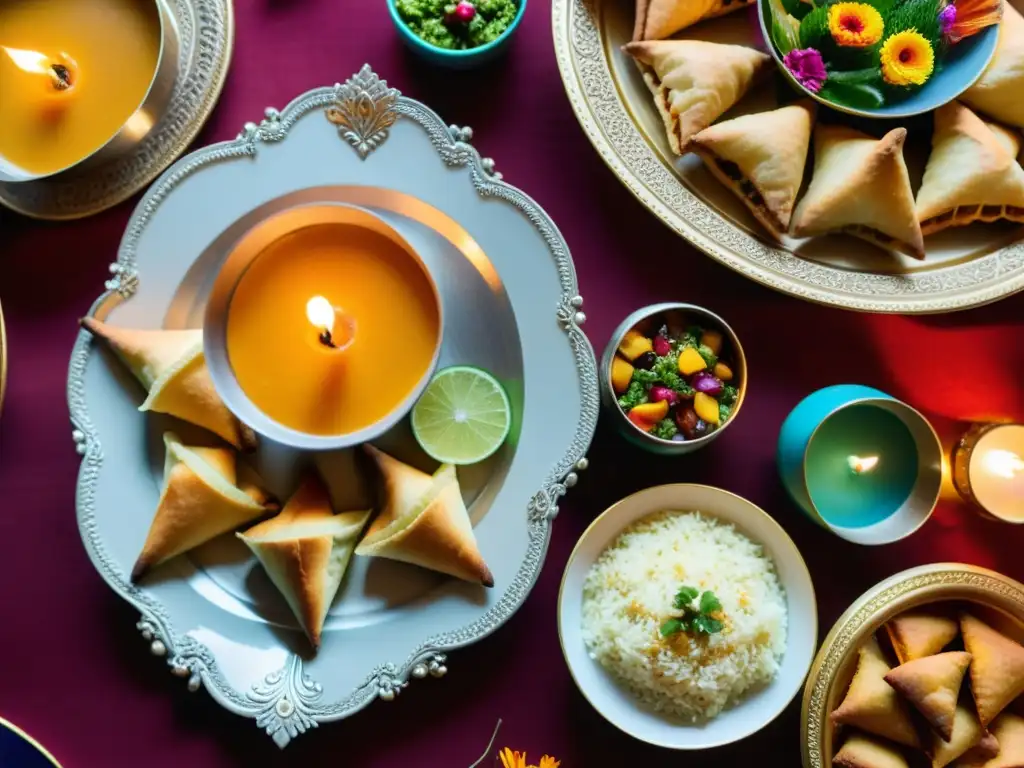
[862,464]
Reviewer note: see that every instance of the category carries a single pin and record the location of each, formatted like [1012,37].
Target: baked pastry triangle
[1008,735]
[997,668]
[657,19]
[967,733]
[695,82]
[172,368]
[970,176]
[761,158]
[199,501]
[921,632]
[873,705]
[305,551]
[860,186]
[425,522]
[860,751]
[998,91]
[932,685]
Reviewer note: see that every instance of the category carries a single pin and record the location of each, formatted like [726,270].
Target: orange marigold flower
[855,25]
[907,58]
[510,759]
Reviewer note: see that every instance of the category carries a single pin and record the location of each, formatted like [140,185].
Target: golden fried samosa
[997,668]
[921,632]
[932,685]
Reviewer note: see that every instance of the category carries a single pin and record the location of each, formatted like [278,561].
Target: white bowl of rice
[649,657]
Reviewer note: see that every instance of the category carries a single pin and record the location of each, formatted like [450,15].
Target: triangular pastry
[761,158]
[657,19]
[860,186]
[873,705]
[921,632]
[860,751]
[997,93]
[305,551]
[172,368]
[1008,734]
[695,82]
[424,522]
[997,669]
[199,501]
[967,733]
[970,175]
[932,685]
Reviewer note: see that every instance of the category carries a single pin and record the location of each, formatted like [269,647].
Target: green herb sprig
[697,619]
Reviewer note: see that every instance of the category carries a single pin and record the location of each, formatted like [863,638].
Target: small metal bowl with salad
[673,377]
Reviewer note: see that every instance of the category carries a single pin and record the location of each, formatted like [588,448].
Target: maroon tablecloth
[74,671]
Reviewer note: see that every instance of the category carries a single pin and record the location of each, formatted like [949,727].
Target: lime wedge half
[463,416]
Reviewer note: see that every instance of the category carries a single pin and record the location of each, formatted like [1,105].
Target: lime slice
[463,416]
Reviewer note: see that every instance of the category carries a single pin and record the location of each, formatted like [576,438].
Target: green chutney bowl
[455,59]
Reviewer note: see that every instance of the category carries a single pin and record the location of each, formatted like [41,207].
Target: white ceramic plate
[511,306]
[618,705]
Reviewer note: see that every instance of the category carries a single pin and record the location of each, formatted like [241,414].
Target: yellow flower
[907,58]
[510,759]
[855,25]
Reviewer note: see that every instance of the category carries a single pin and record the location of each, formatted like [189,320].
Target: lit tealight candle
[55,77]
[335,330]
[861,464]
[988,470]
[72,73]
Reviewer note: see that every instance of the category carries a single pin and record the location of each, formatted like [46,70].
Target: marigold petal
[510,759]
[548,762]
[907,58]
[855,25]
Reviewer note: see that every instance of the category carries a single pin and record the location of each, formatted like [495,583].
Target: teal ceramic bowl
[860,463]
[961,68]
[444,57]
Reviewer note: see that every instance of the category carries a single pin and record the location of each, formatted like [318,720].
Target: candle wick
[61,76]
[326,339]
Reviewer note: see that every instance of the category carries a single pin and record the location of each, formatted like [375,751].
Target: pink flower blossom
[807,67]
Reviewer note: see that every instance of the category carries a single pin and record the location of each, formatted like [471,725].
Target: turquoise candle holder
[861,463]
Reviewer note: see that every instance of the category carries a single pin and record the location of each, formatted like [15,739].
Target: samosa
[424,522]
[171,366]
[305,551]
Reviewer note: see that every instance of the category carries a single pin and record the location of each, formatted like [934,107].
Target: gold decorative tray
[965,267]
[206,31]
[1001,602]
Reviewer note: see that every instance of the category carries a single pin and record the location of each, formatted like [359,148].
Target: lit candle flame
[862,464]
[1003,463]
[59,71]
[320,313]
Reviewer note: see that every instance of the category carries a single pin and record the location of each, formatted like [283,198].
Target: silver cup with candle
[988,470]
[323,327]
[72,98]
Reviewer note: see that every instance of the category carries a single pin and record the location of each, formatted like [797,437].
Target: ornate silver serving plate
[511,306]
[206,34]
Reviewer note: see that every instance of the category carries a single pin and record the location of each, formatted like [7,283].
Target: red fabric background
[75,673]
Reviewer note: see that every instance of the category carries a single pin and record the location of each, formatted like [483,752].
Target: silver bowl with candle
[330,330]
[51,81]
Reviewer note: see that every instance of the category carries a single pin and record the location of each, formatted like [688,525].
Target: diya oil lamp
[861,463]
[81,81]
[988,470]
[323,328]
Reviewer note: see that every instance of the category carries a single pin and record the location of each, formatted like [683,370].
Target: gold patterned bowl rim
[902,591]
[598,102]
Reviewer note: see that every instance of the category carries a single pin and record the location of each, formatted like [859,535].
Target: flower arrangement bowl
[956,70]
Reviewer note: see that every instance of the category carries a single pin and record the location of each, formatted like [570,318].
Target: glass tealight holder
[988,470]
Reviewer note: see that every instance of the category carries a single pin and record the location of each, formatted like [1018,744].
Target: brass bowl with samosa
[993,605]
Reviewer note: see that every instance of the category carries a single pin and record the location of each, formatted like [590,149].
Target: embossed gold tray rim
[907,589]
[598,103]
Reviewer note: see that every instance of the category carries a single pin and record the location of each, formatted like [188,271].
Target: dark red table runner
[75,673]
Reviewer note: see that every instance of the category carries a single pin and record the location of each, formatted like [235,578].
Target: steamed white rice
[628,594]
